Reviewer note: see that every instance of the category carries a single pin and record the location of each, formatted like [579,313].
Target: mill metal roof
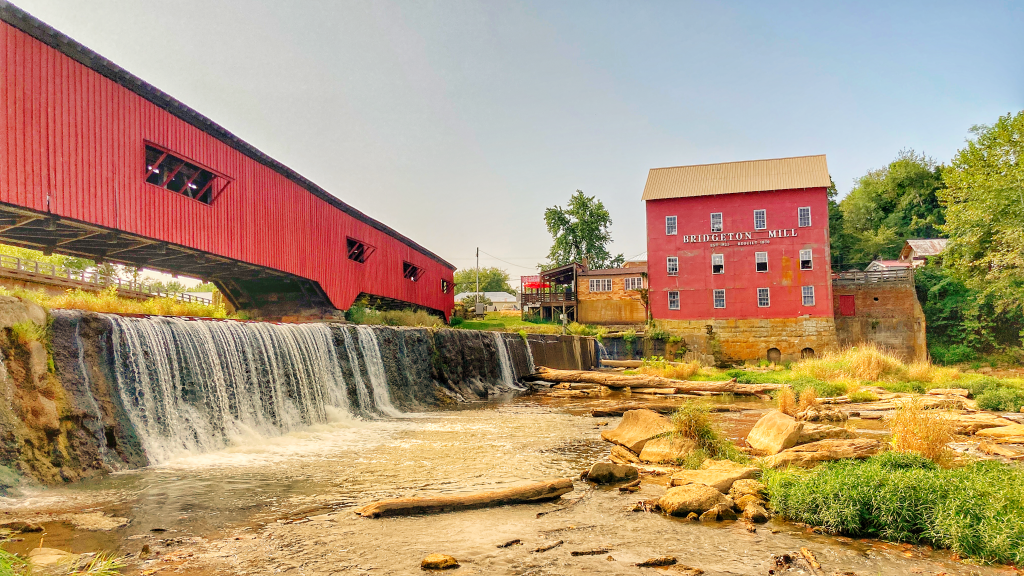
[926,246]
[737,177]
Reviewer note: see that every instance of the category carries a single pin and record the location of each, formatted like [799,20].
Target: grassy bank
[497,321]
[976,511]
[108,301]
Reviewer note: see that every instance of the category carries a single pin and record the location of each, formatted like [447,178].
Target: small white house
[499,300]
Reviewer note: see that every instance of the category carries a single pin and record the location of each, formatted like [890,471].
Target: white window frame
[810,258]
[633,283]
[760,257]
[672,265]
[800,216]
[717,260]
[805,293]
[721,223]
[764,219]
[767,297]
[671,225]
[600,284]
[715,297]
[670,295]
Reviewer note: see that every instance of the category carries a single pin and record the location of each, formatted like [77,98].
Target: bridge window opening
[411,271]
[172,173]
[445,286]
[358,251]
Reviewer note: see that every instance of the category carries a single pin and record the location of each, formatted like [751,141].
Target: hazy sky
[458,122]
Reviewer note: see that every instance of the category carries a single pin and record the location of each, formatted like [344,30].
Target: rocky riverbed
[286,505]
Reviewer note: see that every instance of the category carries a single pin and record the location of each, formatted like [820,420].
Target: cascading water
[375,369]
[508,377]
[191,386]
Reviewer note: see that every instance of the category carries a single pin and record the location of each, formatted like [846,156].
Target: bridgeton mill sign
[741,238]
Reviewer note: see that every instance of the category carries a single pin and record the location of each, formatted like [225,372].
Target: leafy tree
[581,231]
[984,202]
[58,260]
[492,279]
[887,207]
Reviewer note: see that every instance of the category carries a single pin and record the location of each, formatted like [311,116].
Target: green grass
[976,511]
[496,322]
[28,331]
[693,420]
[862,396]
[1001,399]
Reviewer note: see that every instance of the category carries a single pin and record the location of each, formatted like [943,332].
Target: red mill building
[738,257]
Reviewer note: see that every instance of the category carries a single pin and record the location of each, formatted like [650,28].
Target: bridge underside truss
[244,285]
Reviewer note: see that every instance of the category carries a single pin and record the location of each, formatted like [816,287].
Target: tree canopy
[491,280]
[885,208]
[581,231]
[984,202]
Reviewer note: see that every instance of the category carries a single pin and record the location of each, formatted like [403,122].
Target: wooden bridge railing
[46,273]
[904,275]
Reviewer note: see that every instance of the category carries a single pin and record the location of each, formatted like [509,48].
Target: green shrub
[955,354]
[977,511]
[1001,399]
[28,331]
[455,321]
[693,420]
[655,332]
[862,396]
[904,387]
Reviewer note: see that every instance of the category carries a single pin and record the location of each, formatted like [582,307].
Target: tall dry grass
[786,401]
[873,363]
[920,431]
[108,301]
[808,398]
[676,371]
[402,318]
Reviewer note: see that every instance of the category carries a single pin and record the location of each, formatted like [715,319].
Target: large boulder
[667,449]
[813,431]
[1012,434]
[742,488]
[775,432]
[821,413]
[16,311]
[696,498]
[719,479]
[974,422]
[807,455]
[636,428]
[608,473]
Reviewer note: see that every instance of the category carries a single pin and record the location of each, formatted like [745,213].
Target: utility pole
[477,280]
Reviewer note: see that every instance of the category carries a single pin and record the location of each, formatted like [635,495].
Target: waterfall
[375,369]
[505,362]
[602,353]
[190,386]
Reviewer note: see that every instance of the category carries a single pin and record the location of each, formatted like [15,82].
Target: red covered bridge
[95,162]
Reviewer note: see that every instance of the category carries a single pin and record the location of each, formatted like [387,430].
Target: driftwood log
[634,363]
[620,409]
[537,492]
[642,381]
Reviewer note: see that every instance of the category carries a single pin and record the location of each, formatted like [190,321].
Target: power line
[509,263]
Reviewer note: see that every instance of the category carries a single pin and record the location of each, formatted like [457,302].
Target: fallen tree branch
[537,492]
[642,381]
[620,409]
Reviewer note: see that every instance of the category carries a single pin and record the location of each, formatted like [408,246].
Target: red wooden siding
[70,131]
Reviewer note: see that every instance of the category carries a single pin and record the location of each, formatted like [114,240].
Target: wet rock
[814,431]
[667,449]
[682,500]
[754,512]
[821,413]
[719,479]
[718,512]
[551,546]
[808,455]
[775,432]
[594,552]
[21,527]
[39,557]
[1012,434]
[608,473]
[710,464]
[515,542]
[15,311]
[747,487]
[636,428]
[692,517]
[658,561]
[621,455]
[439,562]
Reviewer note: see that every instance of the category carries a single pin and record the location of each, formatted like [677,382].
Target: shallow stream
[284,505]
